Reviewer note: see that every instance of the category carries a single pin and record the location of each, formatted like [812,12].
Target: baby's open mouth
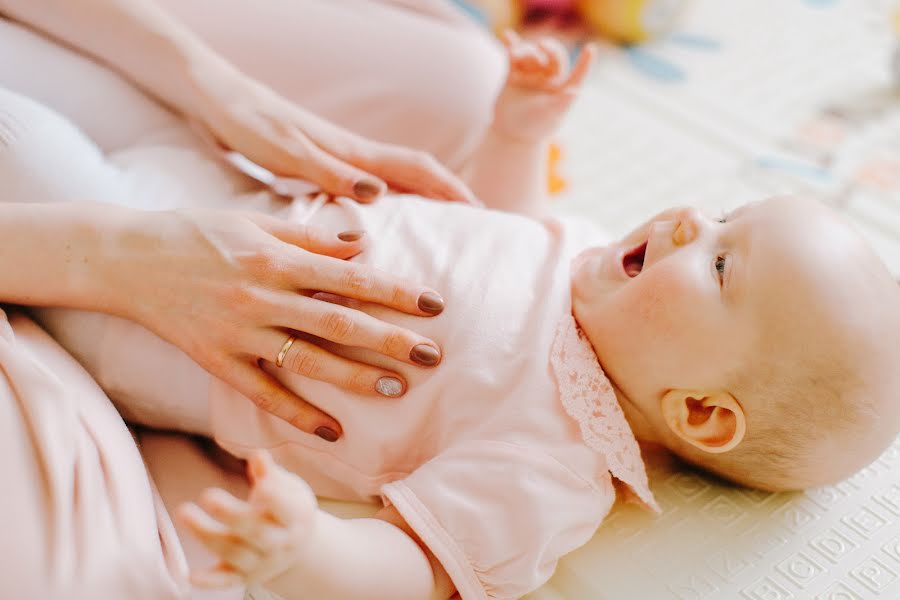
[633,262]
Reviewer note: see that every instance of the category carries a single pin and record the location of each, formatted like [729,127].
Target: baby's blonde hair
[801,413]
[834,388]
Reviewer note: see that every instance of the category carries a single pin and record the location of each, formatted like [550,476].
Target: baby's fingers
[582,67]
[219,539]
[557,59]
[523,55]
[284,496]
[245,522]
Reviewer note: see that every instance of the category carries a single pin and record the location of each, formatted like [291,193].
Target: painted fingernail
[431,303]
[424,354]
[351,236]
[366,189]
[389,386]
[326,433]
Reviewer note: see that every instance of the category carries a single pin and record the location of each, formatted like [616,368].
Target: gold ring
[284,350]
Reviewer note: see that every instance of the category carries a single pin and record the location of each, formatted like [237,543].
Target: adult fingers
[308,359]
[363,282]
[345,164]
[349,327]
[269,395]
[303,157]
[414,171]
[343,245]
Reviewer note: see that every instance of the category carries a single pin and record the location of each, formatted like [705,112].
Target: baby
[760,346]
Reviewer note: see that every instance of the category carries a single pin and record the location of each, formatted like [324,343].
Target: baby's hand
[540,87]
[255,540]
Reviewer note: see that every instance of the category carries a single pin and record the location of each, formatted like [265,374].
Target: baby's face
[685,298]
[675,300]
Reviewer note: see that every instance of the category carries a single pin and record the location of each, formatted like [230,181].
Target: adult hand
[225,287]
[250,118]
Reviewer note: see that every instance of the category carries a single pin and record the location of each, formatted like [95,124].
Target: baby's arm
[509,169]
[280,538]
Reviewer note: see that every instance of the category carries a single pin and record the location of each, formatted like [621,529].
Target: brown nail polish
[366,189]
[351,236]
[425,355]
[326,433]
[431,303]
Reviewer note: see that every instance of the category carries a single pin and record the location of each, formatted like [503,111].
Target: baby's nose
[689,222]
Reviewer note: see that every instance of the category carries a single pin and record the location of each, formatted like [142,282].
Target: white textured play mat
[746,99]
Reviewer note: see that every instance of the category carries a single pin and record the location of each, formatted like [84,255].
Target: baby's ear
[712,421]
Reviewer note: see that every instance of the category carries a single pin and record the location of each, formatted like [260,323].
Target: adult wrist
[212,81]
[116,244]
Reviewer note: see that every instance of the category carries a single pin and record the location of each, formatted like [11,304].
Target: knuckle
[305,362]
[265,263]
[356,280]
[305,270]
[400,295]
[265,401]
[396,343]
[337,326]
[361,380]
[240,295]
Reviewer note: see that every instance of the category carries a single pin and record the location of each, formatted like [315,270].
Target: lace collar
[588,397]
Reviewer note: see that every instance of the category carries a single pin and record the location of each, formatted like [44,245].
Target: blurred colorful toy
[625,21]
[631,21]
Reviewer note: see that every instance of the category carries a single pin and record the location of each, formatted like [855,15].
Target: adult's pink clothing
[80,515]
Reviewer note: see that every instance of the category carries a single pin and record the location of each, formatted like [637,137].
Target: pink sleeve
[499,516]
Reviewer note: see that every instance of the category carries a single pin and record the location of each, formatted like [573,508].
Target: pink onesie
[500,459]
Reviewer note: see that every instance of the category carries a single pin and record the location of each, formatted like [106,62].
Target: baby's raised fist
[539,88]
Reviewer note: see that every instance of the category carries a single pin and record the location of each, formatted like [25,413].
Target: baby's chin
[589,274]
[583,258]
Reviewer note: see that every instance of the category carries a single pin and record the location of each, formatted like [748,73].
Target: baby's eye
[723,218]
[720,265]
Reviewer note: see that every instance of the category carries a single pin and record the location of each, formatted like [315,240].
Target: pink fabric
[425,78]
[480,456]
[424,75]
[588,397]
[81,518]
[58,429]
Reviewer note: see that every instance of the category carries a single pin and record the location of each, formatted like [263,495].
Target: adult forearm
[58,254]
[135,37]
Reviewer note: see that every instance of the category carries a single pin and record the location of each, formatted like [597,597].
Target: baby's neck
[640,425]
[637,420]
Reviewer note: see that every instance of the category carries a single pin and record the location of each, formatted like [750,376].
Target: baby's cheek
[658,299]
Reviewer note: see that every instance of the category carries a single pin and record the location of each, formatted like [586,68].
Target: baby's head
[764,346]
